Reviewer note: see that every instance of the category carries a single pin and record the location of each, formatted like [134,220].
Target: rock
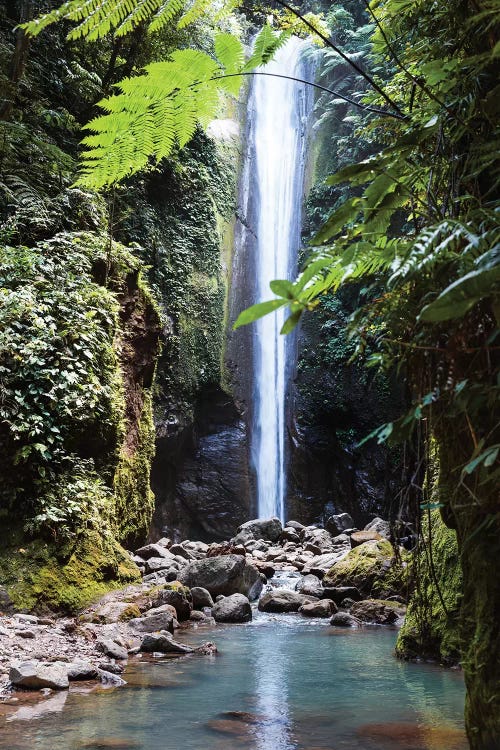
[178,549]
[25,633]
[339,593]
[377,611]
[201,598]
[81,670]
[3,631]
[281,600]
[6,606]
[319,537]
[197,616]
[295,525]
[226,574]
[379,526]
[226,548]
[310,586]
[36,675]
[323,608]
[345,620]
[111,649]
[270,529]
[310,547]
[233,608]
[289,535]
[112,667]
[371,568]
[339,523]
[178,596]
[108,678]
[319,565]
[115,612]
[31,619]
[155,564]
[360,537]
[219,598]
[153,550]
[154,620]
[265,568]
[166,542]
[165,644]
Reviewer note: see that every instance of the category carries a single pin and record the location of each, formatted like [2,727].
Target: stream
[280,682]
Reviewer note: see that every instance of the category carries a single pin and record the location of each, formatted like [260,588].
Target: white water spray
[280,109]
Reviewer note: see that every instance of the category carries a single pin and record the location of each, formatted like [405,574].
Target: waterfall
[278,113]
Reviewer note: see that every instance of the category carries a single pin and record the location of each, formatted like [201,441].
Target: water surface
[278,683]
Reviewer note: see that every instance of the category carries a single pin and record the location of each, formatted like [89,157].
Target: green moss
[373,568]
[44,575]
[134,499]
[130,613]
[429,631]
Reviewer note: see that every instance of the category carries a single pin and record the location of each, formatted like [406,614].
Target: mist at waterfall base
[291,684]
[278,113]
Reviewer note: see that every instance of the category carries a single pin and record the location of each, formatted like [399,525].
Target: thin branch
[316,86]
[345,57]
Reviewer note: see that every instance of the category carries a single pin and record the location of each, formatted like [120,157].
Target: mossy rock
[430,630]
[373,568]
[41,576]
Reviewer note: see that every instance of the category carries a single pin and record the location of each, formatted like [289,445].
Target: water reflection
[271,689]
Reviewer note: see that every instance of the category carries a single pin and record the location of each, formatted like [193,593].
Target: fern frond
[154,111]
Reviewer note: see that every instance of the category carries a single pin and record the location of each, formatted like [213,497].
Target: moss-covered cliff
[431,628]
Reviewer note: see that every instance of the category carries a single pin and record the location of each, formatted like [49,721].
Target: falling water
[279,111]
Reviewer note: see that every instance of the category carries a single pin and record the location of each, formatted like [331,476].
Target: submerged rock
[226,574]
[233,608]
[35,675]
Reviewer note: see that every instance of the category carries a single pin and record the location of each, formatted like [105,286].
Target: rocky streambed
[341,575]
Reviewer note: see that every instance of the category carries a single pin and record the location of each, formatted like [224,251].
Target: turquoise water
[278,683]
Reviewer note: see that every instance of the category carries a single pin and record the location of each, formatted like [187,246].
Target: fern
[96,18]
[156,110]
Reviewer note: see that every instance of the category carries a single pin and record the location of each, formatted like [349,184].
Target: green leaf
[487,457]
[347,213]
[291,322]
[460,296]
[257,311]
[283,288]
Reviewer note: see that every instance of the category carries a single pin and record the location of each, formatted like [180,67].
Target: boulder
[371,568]
[178,596]
[35,675]
[345,620]
[111,648]
[233,608]
[295,525]
[155,619]
[225,574]
[338,523]
[281,600]
[153,550]
[269,529]
[180,551]
[289,535]
[164,643]
[201,598]
[323,608]
[379,526]
[81,670]
[320,564]
[310,586]
[360,537]
[339,593]
[320,538]
[377,611]
[155,564]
